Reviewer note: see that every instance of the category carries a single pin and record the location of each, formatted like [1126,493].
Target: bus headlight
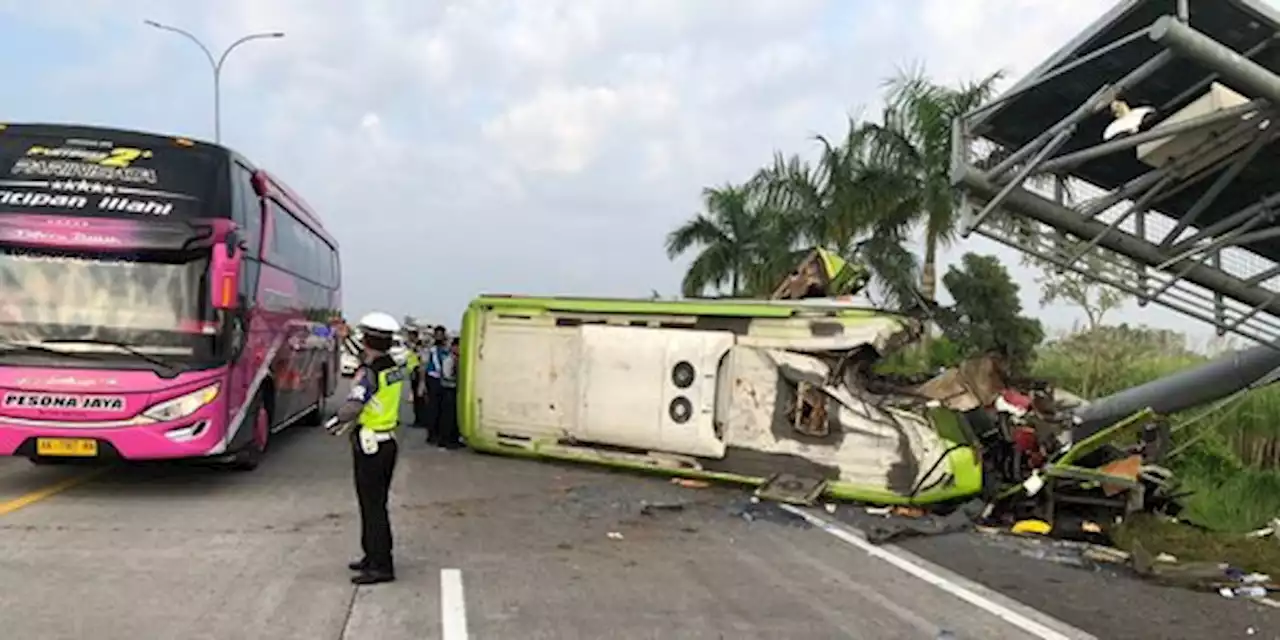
[182,406]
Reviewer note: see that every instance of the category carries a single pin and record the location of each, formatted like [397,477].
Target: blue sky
[504,145]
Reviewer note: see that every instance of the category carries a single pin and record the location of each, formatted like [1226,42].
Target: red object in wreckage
[1017,399]
[1026,443]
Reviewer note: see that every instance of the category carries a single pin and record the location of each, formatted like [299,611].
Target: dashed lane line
[453,605]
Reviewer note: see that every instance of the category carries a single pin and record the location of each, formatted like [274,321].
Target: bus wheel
[248,458]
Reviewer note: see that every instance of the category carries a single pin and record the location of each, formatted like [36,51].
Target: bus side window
[249,268]
[296,248]
[248,208]
[278,250]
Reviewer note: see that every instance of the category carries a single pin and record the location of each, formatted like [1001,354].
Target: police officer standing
[371,414]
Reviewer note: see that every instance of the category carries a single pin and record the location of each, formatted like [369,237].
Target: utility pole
[216,64]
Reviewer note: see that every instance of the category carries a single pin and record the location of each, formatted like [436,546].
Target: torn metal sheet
[785,487]
[884,447]
[975,383]
[882,335]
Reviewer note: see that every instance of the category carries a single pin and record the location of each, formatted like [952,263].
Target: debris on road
[754,509]
[653,508]
[1038,527]
[898,527]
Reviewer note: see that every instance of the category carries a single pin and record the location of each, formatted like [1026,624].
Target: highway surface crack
[346,618]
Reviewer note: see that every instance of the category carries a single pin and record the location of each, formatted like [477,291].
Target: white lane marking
[453,605]
[901,560]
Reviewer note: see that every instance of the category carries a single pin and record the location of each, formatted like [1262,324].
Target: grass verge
[1192,544]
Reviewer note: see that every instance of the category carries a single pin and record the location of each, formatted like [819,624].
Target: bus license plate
[67,447]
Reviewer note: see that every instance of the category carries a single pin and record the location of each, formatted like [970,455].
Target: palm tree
[848,202]
[744,243]
[915,139]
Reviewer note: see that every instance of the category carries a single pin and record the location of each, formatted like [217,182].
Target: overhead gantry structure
[1142,155]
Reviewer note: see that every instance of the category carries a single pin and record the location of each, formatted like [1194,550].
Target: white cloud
[518,145]
[562,129]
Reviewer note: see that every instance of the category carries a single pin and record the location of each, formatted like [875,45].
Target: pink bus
[160,298]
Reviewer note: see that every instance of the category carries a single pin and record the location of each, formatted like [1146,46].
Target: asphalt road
[486,548]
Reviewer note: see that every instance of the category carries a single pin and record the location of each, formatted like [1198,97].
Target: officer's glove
[336,428]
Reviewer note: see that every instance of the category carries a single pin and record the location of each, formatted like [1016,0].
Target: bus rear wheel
[248,458]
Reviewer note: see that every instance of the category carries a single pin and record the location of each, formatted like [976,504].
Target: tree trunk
[929,271]
[929,284]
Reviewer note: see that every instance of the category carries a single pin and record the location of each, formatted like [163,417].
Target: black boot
[358,565]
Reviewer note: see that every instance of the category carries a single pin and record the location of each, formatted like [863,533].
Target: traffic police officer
[373,409]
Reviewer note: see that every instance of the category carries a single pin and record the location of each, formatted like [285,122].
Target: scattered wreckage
[1053,464]
[1039,449]
[784,394]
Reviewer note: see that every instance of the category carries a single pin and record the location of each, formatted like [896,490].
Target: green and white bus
[734,390]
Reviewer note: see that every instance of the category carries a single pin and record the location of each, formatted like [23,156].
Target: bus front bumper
[192,437]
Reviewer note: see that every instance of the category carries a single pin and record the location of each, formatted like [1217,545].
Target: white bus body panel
[599,384]
[626,388]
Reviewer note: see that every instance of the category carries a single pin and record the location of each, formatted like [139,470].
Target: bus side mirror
[224,274]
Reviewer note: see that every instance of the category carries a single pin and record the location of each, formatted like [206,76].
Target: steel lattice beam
[1183,273]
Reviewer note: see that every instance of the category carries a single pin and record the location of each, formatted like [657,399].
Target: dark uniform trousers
[373,485]
[435,409]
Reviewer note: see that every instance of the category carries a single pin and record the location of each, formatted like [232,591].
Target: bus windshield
[117,310]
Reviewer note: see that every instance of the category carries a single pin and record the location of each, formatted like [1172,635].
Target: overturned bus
[733,390]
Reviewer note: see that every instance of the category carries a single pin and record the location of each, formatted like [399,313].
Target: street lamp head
[215,63]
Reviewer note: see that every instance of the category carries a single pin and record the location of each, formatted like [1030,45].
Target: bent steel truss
[1183,212]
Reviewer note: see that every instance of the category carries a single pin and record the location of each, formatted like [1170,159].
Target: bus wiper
[9,345]
[159,362]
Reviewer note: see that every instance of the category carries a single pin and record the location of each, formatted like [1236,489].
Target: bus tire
[250,456]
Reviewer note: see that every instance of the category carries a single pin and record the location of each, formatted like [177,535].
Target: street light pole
[216,64]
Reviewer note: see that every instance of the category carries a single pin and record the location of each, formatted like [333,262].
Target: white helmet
[379,322]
